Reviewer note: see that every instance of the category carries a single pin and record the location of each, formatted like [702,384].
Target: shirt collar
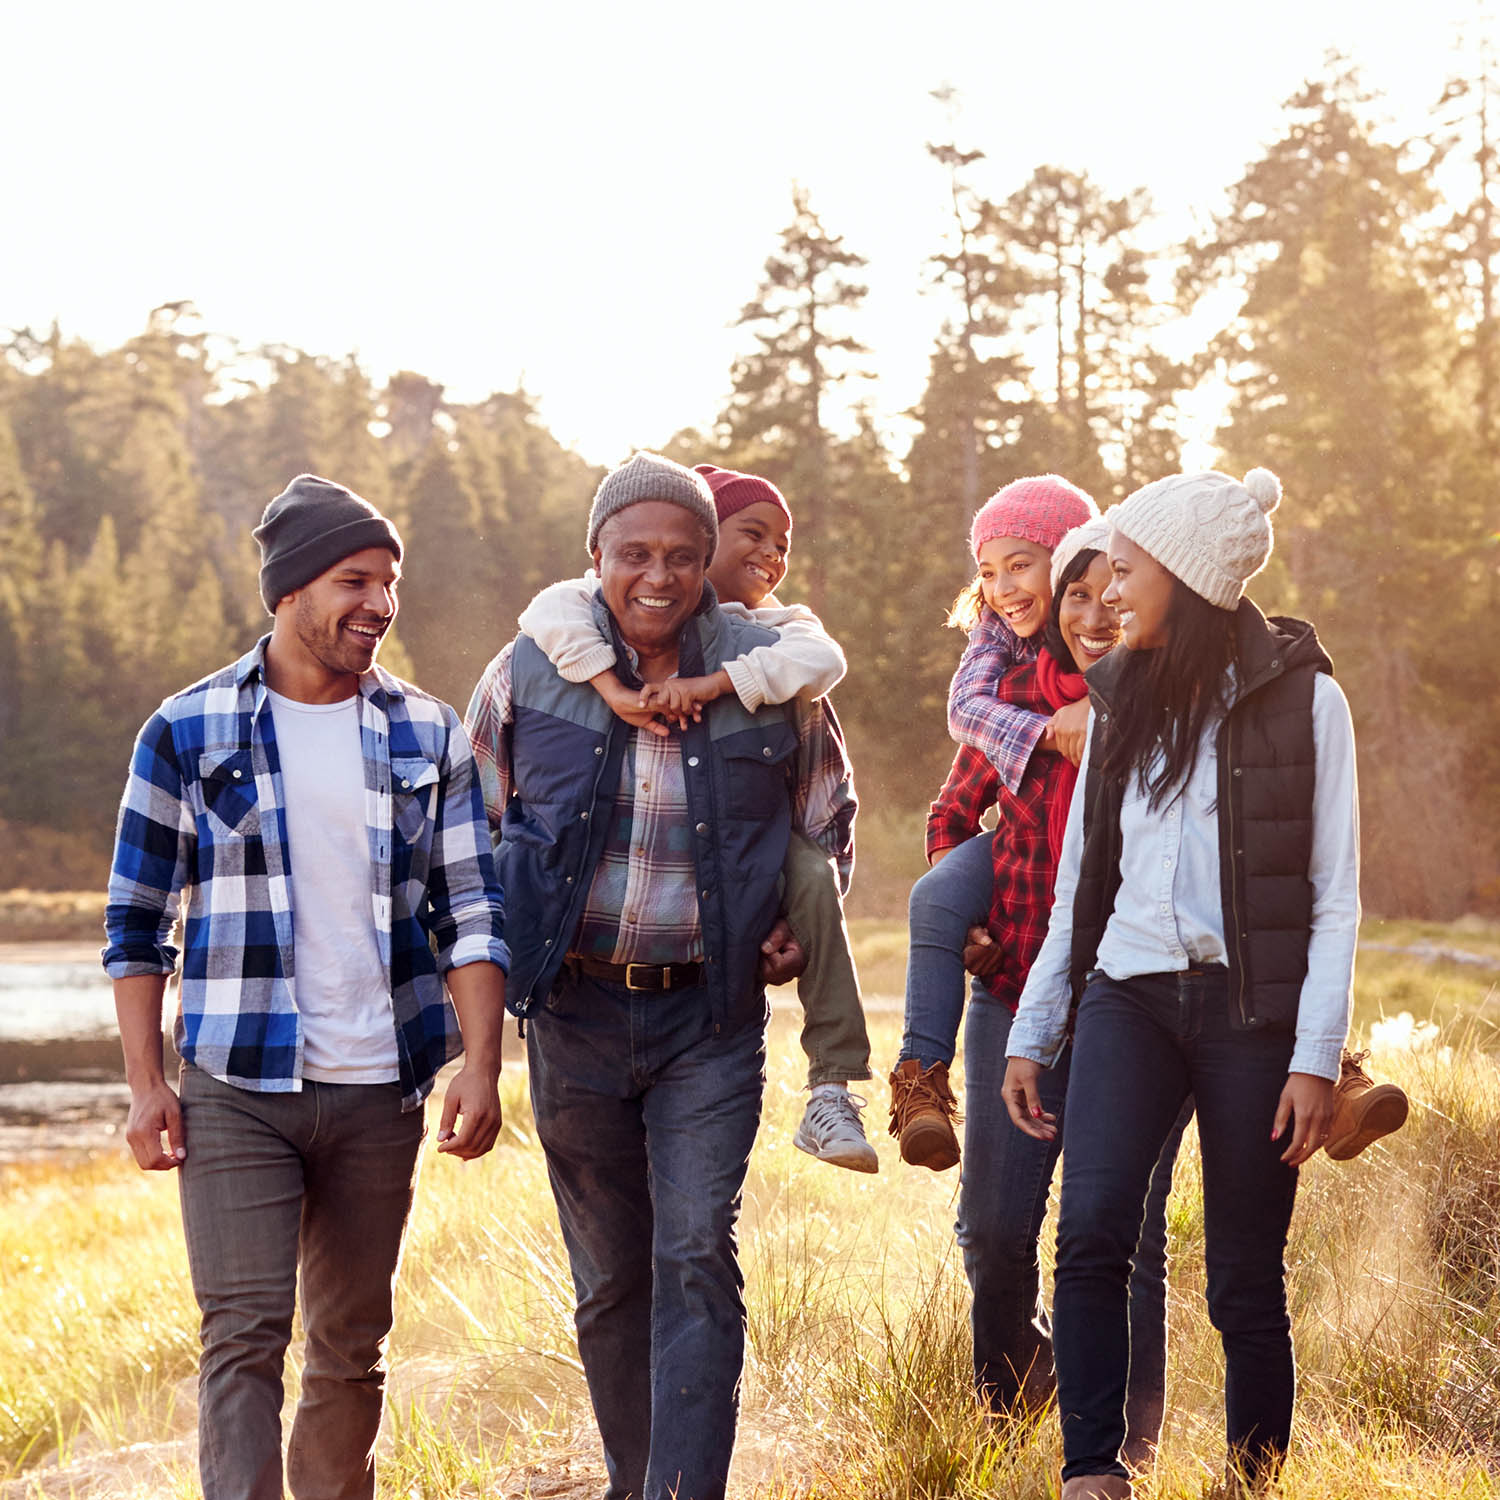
[377,684]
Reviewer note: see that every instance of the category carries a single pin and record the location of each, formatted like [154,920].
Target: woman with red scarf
[1006,1175]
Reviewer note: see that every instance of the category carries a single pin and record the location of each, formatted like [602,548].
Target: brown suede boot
[922,1111]
[1097,1487]
[1363,1110]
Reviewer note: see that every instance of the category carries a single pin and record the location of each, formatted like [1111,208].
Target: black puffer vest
[1265,801]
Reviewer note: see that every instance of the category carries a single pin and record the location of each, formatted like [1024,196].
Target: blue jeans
[1002,1201]
[1141,1046]
[953,896]
[647,1120]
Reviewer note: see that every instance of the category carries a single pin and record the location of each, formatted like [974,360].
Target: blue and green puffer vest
[567,750]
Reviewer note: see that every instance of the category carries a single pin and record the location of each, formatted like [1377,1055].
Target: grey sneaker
[832,1131]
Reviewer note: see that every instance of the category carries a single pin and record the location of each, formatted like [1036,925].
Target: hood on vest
[1264,649]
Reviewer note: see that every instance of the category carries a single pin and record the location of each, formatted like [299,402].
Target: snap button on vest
[701,828]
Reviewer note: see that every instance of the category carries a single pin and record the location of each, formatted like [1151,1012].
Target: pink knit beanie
[734,491]
[1039,508]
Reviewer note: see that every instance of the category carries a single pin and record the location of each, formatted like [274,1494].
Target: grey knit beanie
[308,527]
[1211,531]
[649,476]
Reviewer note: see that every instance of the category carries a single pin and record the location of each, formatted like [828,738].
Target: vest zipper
[570,917]
[1233,915]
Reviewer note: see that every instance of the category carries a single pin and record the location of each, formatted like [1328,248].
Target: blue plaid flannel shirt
[202,828]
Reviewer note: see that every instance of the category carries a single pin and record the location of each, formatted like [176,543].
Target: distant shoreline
[51,951]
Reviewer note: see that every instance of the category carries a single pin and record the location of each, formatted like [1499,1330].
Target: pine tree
[447,594]
[1080,247]
[1338,362]
[20,580]
[777,415]
[1468,121]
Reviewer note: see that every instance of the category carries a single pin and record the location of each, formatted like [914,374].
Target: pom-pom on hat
[1090,537]
[1039,508]
[733,491]
[311,525]
[649,476]
[1211,531]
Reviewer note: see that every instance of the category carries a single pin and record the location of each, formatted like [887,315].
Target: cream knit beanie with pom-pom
[1211,531]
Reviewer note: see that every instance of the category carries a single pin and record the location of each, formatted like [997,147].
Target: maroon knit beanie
[734,491]
[1039,508]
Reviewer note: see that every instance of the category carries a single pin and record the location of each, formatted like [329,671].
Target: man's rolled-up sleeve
[155,843]
[463,891]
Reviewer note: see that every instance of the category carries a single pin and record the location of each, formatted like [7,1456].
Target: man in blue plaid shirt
[318,827]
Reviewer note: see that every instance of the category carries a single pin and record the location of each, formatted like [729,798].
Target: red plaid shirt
[1025,870]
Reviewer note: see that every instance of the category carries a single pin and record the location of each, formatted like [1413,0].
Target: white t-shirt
[348,1032]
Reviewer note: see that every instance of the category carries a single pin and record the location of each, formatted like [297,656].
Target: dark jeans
[1141,1046]
[647,1120]
[320,1179]
[953,896]
[1002,1201]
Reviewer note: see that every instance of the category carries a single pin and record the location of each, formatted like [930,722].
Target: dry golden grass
[857,1380]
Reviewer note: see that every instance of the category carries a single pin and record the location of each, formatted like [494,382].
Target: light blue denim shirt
[1168,914]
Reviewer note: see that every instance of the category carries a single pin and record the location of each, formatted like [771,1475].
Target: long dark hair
[1052,637]
[1166,695]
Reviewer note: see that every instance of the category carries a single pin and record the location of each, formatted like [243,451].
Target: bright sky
[583,196]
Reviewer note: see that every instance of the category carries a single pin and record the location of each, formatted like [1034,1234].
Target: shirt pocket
[758,771]
[414,781]
[227,780]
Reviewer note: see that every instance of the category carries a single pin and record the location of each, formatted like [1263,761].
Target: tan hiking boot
[922,1113]
[1363,1110]
[1097,1487]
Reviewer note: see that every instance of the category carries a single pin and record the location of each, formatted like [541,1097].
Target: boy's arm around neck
[561,620]
[805,662]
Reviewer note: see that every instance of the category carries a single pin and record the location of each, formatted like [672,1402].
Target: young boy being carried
[755,525]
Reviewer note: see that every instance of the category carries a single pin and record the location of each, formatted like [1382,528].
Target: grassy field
[857,1383]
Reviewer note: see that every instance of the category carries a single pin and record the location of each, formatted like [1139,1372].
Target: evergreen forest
[1344,298]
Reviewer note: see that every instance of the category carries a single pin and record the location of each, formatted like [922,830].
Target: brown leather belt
[655,977]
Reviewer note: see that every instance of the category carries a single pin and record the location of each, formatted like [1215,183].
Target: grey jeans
[319,1180]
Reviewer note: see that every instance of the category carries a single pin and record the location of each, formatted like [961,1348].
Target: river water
[62,1083]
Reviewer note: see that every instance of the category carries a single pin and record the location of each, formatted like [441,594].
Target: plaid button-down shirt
[642,905]
[645,878]
[976,717]
[202,828]
[1025,870]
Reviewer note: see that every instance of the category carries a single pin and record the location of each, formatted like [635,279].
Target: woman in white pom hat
[1205,918]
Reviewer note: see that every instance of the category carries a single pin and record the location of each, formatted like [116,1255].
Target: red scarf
[1059,688]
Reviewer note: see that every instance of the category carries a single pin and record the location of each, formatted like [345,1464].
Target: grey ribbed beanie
[309,526]
[649,476]
[1211,531]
